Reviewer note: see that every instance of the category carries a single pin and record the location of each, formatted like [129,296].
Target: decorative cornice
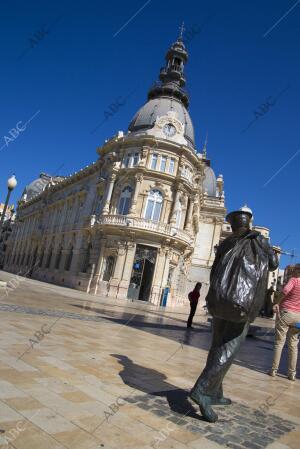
[75,177]
[117,145]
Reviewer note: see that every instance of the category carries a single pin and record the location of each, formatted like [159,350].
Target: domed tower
[165,114]
[156,192]
[153,187]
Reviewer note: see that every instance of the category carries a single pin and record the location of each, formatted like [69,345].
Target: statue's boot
[221,401]
[204,403]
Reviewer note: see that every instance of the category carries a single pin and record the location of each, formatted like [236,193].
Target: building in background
[6,230]
[144,217]
[10,211]
[142,221]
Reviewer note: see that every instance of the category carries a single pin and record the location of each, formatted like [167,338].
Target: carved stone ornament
[206,219]
[139,177]
[170,118]
[157,185]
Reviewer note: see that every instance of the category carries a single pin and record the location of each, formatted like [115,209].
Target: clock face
[169,130]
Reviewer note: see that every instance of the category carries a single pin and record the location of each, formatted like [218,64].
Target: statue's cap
[235,213]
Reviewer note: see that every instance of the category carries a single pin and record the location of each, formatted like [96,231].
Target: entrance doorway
[142,273]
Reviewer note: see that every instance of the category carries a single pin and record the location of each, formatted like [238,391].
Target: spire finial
[181,31]
[204,151]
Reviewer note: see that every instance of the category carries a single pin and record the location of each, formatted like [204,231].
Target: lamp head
[11,182]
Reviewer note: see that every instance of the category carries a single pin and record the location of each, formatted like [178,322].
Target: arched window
[125,200]
[154,160]
[108,266]
[136,158]
[171,166]
[99,204]
[154,205]
[80,204]
[49,257]
[86,259]
[69,259]
[127,160]
[41,258]
[58,258]
[131,159]
[163,163]
[33,262]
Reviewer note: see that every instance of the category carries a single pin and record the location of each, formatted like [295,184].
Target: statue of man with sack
[238,283]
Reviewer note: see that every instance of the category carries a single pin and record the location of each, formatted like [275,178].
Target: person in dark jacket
[229,334]
[193,298]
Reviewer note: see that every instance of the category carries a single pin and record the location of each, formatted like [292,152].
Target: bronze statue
[238,283]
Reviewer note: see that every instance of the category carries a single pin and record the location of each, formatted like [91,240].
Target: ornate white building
[145,216]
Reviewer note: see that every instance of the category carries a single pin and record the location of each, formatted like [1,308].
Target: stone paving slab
[239,426]
[115,377]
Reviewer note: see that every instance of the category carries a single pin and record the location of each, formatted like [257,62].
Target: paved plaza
[83,373]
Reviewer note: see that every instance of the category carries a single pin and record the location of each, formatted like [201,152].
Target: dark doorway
[142,273]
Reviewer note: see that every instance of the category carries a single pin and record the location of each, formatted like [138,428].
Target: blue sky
[64,65]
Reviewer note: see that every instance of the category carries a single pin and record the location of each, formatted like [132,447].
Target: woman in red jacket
[194,298]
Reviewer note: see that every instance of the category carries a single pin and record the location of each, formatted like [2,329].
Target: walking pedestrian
[287,319]
[193,298]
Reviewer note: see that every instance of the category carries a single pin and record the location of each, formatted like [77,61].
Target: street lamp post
[11,184]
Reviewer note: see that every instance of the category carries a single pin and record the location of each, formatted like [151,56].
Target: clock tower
[165,115]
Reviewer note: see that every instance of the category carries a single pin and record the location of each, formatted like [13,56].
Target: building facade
[6,230]
[144,217]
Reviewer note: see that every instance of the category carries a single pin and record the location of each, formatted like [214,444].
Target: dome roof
[210,182]
[38,185]
[157,107]
[35,187]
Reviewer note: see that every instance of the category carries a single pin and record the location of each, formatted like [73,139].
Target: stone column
[65,253]
[138,182]
[78,254]
[188,222]
[96,278]
[126,272]
[174,209]
[90,272]
[158,277]
[167,268]
[109,191]
[117,276]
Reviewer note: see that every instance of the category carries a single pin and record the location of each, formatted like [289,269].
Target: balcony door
[142,273]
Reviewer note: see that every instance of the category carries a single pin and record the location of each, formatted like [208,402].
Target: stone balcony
[137,223]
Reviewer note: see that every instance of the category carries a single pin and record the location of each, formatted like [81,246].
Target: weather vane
[204,151]
[182,30]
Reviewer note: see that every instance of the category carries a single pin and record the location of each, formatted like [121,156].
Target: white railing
[142,223]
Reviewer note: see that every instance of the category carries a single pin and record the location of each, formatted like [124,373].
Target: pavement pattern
[82,372]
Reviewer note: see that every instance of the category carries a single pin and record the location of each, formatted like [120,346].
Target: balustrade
[142,223]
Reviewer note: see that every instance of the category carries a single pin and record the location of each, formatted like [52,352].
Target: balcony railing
[142,223]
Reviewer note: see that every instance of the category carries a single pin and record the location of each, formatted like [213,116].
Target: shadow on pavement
[145,379]
[256,352]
